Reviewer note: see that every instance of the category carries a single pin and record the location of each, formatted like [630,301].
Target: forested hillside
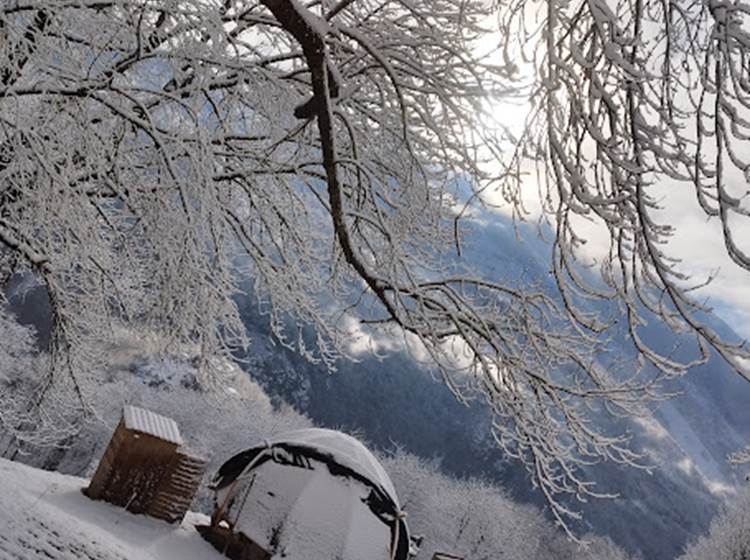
[392,400]
[464,515]
[387,395]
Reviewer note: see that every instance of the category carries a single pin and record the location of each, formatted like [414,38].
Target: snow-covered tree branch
[740,457]
[635,103]
[153,155]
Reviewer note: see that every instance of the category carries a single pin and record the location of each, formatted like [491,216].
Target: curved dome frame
[344,456]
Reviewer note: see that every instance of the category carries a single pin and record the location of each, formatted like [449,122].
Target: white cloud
[361,341]
[719,488]
[697,242]
[686,465]
[652,427]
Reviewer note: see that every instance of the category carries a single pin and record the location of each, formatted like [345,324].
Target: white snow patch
[306,513]
[45,515]
[148,422]
[346,450]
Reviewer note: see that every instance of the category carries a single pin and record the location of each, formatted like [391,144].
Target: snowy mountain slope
[391,401]
[45,515]
[690,435]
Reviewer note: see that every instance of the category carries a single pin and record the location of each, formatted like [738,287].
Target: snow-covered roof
[301,513]
[345,450]
[147,422]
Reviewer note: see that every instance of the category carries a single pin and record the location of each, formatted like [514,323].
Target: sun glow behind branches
[696,239]
[515,113]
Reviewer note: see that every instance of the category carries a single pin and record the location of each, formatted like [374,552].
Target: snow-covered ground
[44,515]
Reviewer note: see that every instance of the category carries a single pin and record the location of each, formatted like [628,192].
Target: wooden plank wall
[176,490]
[132,469]
[103,472]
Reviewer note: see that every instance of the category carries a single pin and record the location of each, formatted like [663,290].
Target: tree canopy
[155,154]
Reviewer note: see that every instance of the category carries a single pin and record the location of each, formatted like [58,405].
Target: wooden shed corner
[145,470]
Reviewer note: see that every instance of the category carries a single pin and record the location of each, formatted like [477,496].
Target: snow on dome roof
[147,422]
[345,450]
[313,493]
[305,513]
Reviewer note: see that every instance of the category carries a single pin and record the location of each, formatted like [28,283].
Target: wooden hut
[144,470]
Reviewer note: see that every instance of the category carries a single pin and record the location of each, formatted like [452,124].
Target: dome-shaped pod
[311,493]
